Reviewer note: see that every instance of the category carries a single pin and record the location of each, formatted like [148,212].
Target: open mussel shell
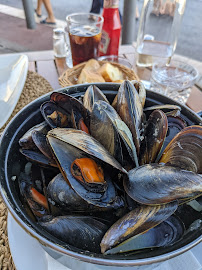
[65,154]
[154,137]
[153,184]
[65,111]
[83,232]
[85,143]
[130,110]
[36,201]
[169,109]
[165,234]
[54,115]
[136,222]
[187,214]
[185,150]
[71,104]
[175,125]
[92,95]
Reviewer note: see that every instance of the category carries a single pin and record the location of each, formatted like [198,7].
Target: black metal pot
[11,161]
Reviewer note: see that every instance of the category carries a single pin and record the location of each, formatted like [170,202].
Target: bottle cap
[111,3]
[58,31]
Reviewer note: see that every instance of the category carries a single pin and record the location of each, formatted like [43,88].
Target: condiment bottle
[111,30]
[158,30]
[60,46]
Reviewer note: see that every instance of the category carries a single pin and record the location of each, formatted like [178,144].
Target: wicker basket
[70,76]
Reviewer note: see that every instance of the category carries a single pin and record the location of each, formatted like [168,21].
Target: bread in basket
[75,75]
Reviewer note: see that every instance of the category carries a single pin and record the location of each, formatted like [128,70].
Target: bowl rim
[85,258]
[101,261]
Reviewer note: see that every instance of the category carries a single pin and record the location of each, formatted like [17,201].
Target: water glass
[174,79]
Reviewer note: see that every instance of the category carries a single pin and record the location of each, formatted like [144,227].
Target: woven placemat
[34,87]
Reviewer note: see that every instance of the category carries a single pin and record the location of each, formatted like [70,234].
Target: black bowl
[11,162]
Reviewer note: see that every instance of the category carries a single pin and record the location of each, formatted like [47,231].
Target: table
[51,68]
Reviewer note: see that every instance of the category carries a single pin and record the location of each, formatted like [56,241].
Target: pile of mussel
[112,178]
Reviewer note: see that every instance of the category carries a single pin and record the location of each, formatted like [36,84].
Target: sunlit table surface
[45,64]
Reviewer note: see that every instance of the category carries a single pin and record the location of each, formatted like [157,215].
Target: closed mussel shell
[92,95]
[34,145]
[103,130]
[136,222]
[139,86]
[38,158]
[164,234]
[40,141]
[153,184]
[61,193]
[82,232]
[26,141]
[185,150]
[154,137]
[130,110]
[104,117]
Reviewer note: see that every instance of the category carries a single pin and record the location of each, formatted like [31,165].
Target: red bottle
[111,30]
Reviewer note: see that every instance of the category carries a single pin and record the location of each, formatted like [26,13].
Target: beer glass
[84,30]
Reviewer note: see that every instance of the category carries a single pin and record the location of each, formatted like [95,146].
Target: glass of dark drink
[84,30]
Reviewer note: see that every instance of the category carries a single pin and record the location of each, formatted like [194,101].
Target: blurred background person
[47,4]
[97,5]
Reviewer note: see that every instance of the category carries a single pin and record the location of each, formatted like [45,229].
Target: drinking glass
[84,30]
[174,79]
